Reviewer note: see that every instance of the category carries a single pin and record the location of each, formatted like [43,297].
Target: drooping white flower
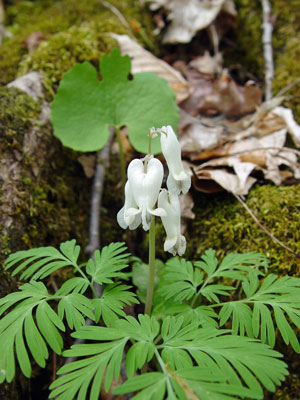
[129,215]
[175,242]
[141,194]
[178,180]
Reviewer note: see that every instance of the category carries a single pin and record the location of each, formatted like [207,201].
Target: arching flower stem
[150,288]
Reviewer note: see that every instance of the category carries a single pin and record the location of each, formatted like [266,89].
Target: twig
[264,228]
[115,11]
[288,87]
[97,191]
[268,49]
[94,229]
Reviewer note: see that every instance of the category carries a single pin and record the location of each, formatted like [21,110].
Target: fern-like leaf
[19,325]
[43,261]
[108,263]
[252,315]
[106,355]
[113,300]
[75,307]
[180,280]
[243,360]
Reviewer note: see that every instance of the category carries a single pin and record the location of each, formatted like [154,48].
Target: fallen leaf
[287,115]
[144,61]
[220,96]
[224,179]
[187,19]
[88,163]
[186,206]
[33,41]
[208,64]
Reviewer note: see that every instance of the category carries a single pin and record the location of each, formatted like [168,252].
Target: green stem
[122,158]
[150,288]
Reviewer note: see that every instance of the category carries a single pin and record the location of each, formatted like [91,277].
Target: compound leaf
[113,300]
[41,262]
[108,263]
[20,333]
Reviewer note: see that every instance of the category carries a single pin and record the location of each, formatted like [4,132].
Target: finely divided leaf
[243,360]
[75,307]
[113,300]
[106,355]
[19,332]
[108,263]
[180,280]
[43,261]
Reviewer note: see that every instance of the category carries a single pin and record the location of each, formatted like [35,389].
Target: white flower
[129,215]
[141,193]
[178,179]
[175,242]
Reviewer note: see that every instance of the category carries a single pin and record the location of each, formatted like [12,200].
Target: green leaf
[240,358]
[43,261]
[140,277]
[73,285]
[108,263]
[113,300]
[76,307]
[241,317]
[204,315]
[106,354]
[84,108]
[152,386]
[20,333]
[180,280]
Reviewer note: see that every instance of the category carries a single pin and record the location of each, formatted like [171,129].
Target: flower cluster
[144,196]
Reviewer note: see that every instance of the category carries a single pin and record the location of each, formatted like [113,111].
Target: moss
[73,31]
[286,44]
[223,223]
[248,50]
[17,111]
[61,51]
[46,207]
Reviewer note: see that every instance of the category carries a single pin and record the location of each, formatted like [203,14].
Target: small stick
[264,228]
[96,199]
[268,49]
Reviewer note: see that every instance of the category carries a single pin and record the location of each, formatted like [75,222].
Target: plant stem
[150,288]
[122,158]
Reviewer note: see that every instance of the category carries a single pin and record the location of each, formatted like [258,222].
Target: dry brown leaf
[208,64]
[33,41]
[144,61]
[88,163]
[220,96]
[186,206]
[221,179]
[287,115]
[188,18]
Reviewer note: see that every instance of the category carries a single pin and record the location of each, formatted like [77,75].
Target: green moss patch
[223,223]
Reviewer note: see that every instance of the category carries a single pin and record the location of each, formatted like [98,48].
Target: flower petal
[172,152]
[145,186]
[175,242]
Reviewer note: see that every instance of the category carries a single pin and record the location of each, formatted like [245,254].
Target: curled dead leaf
[144,61]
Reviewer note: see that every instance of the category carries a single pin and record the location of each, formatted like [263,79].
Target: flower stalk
[150,288]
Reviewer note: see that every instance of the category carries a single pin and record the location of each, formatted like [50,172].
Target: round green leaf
[75,111]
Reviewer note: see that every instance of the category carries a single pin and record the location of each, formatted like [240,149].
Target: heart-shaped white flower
[141,193]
